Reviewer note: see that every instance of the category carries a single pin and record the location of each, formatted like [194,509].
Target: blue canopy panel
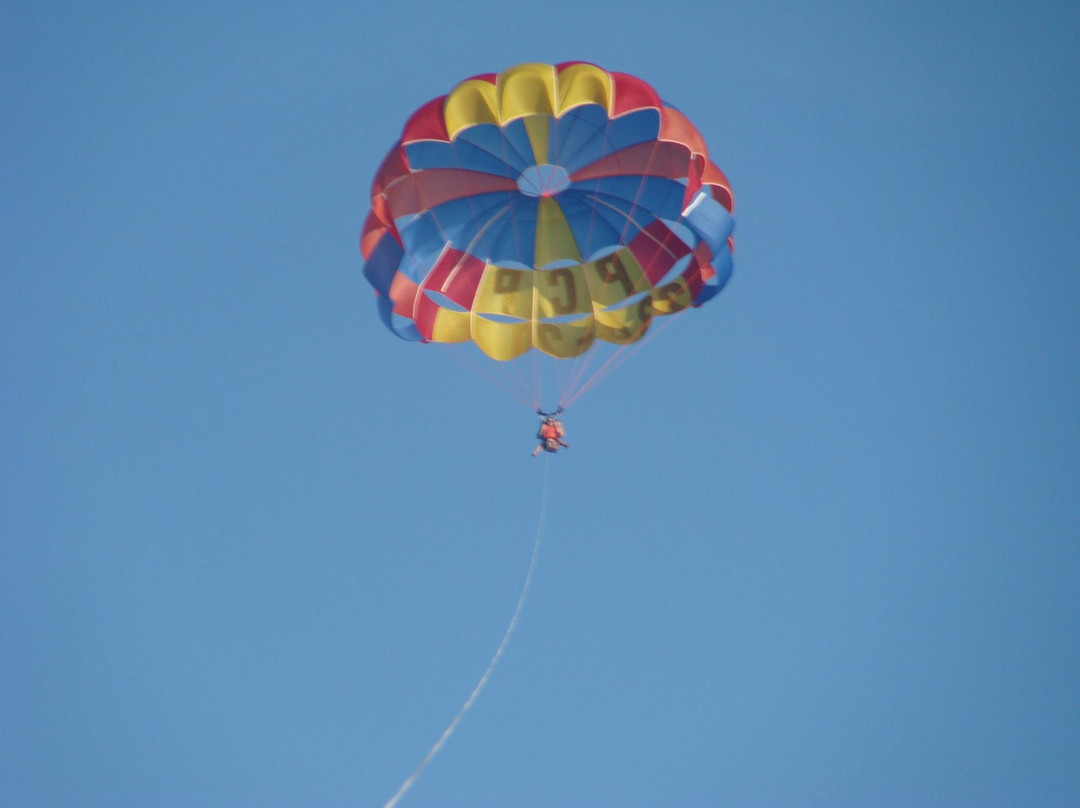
[428,154]
[402,326]
[723,264]
[486,148]
[576,138]
[580,137]
[458,222]
[498,227]
[629,203]
[383,262]
[596,228]
[511,238]
[710,220]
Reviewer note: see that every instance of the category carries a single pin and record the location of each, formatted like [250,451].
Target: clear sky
[818,544]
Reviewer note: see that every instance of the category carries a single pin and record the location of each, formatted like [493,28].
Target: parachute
[546,212]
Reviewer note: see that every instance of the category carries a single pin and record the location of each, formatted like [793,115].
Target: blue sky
[816,544]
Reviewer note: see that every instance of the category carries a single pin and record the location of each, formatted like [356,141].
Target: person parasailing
[551,432]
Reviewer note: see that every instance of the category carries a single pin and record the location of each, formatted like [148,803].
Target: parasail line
[461,355]
[494,660]
[617,359]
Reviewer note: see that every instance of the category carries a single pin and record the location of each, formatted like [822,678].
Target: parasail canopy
[549,208]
